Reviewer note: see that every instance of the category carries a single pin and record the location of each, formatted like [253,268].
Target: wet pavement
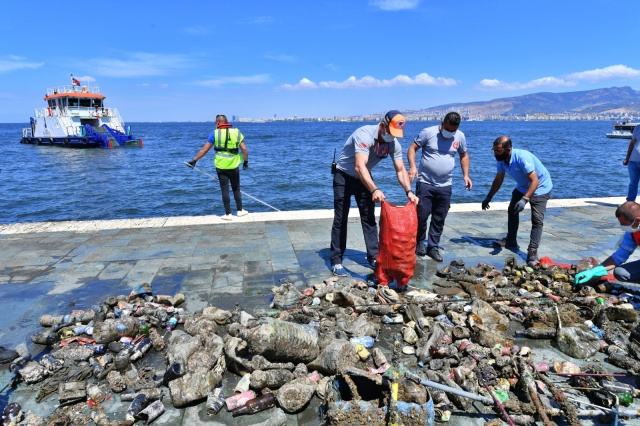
[55,267]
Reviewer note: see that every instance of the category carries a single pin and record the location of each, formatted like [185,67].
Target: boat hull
[76,142]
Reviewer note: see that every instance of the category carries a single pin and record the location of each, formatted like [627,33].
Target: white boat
[622,130]
[75,116]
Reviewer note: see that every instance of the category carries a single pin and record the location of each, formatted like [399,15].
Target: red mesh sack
[396,256]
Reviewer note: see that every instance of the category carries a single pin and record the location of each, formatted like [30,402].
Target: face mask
[447,134]
[387,137]
[630,228]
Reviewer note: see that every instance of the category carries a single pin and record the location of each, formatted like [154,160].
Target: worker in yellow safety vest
[230,152]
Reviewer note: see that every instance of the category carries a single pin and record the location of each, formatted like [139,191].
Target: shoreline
[177,221]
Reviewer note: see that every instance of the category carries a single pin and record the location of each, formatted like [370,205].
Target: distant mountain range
[613,100]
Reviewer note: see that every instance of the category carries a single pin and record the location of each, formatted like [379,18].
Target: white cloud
[423,79]
[493,84]
[331,66]
[164,86]
[599,74]
[140,64]
[394,4]
[280,58]
[252,79]
[197,30]
[305,83]
[607,73]
[12,63]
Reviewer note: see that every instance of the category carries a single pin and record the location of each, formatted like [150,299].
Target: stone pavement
[50,267]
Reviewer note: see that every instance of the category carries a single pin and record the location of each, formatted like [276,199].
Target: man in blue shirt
[533,186]
[628,214]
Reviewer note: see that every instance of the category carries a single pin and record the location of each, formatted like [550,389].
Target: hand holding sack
[398,229]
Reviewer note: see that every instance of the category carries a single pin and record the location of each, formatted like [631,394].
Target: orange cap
[395,121]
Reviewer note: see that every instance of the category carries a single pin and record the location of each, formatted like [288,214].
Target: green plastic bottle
[144,329]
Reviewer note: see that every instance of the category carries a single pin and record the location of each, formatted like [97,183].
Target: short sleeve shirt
[522,163]
[438,155]
[635,153]
[364,141]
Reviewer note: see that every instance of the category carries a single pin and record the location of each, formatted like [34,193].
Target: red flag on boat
[75,81]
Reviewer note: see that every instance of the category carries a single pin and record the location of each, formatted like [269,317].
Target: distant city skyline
[161,61]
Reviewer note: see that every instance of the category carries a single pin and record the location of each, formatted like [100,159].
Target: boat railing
[72,89]
[27,132]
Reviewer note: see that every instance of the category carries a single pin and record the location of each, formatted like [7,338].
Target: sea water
[289,169]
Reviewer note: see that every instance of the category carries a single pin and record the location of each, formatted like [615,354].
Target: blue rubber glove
[520,204]
[245,165]
[485,203]
[585,276]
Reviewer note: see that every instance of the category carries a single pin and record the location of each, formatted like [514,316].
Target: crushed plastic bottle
[366,341]
[593,328]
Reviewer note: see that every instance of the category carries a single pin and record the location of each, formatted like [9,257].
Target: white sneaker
[226,217]
[242,213]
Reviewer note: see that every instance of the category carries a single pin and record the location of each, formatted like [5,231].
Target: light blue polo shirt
[364,141]
[522,163]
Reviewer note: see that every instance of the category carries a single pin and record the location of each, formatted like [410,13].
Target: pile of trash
[369,354]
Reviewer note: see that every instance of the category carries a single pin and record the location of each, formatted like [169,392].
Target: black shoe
[372,264]
[532,257]
[420,250]
[434,253]
[504,243]
[7,355]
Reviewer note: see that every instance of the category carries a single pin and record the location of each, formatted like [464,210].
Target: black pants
[230,176]
[435,202]
[345,186]
[538,205]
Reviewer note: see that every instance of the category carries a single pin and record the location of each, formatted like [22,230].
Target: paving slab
[54,267]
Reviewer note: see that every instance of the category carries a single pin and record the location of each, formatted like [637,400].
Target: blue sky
[190,60]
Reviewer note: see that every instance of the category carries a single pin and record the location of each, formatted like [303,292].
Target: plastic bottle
[366,341]
[243,384]
[173,372]
[255,405]
[143,328]
[137,405]
[239,400]
[443,318]
[593,328]
[215,401]
[622,390]
[141,349]
[172,323]
[537,333]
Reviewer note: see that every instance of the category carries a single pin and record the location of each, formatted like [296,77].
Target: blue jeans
[538,205]
[634,177]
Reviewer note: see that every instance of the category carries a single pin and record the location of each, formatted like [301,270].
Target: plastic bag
[577,342]
[396,257]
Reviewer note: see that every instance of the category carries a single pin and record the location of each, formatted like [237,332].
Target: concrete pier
[54,267]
